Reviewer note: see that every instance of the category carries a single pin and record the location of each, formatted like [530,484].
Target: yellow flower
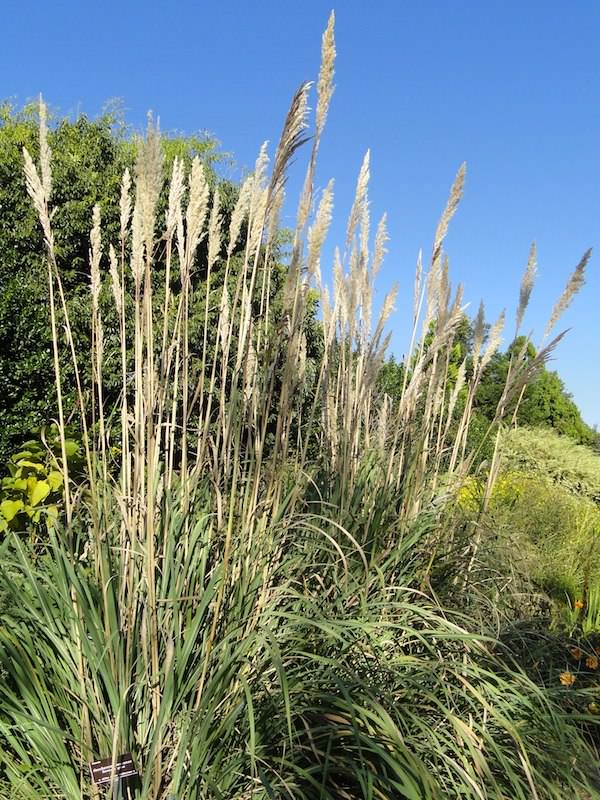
[567,678]
[591,662]
[578,603]
[576,652]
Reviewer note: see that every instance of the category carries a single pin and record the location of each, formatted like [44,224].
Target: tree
[544,404]
[89,158]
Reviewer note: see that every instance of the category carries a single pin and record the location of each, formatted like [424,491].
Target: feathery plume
[240,211]
[125,204]
[274,211]
[324,93]
[444,288]
[259,195]
[292,137]
[196,210]
[137,245]
[257,221]
[460,382]
[386,310]
[478,334]
[318,231]
[176,189]
[381,237]
[214,230]
[325,87]
[494,340]
[451,206]
[180,238]
[45,152]
[526,286]
[95,255]
[360,198]
[388,304]
[37,194]
[365,229]
[260,170]
[479,328]
[338,286]
[457,310]
[115,279]
[574,285]
[148,170]
[418,281]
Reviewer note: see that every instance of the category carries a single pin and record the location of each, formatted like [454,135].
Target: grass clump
[240,594]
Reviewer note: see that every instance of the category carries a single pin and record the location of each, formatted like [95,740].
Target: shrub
[551,456]
[540,524]
[32,492]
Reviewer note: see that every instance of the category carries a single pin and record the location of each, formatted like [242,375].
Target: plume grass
[240,601]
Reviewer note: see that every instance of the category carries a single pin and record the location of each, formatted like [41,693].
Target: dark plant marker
[103,770]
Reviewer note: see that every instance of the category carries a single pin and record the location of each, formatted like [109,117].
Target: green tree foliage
[89,158]
[544,404]
[547,404]
[89,161]
[391,378]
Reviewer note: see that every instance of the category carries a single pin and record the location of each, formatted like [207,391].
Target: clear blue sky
[510,87]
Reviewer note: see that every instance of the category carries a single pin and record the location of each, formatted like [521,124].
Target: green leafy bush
[31,494]
[561,531]
[547,454]
[539,527]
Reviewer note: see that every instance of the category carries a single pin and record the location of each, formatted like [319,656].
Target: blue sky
[510,87]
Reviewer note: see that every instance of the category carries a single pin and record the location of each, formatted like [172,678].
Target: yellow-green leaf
[71,447]
[10,508]
[23,454]
[39,493]
[55,479]
[31,464]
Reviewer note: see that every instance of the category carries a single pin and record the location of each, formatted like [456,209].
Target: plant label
[103,770]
